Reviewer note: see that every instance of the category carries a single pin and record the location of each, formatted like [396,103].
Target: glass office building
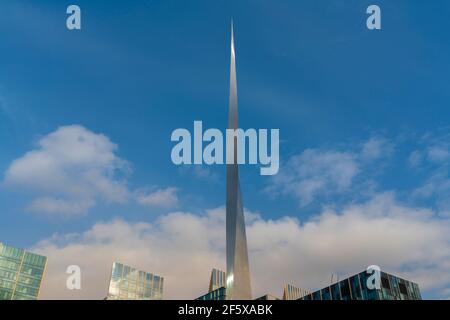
[355,288]
[21,273]
[127,283]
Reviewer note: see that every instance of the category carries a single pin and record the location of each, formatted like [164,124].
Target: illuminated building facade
[127,283]
[21,273]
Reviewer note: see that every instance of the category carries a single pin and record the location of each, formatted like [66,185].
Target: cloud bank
[319,173]
[72,169]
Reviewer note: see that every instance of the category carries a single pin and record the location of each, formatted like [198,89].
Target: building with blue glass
[217,286]
[357,288]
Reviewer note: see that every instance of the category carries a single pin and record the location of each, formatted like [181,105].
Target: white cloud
[439,153]
[319,173]
[437,188]
[183,247]
[179,246]
[201,172]
[415,158]
[434,159]
[434,148]
[314,172]
[70,170]
[61,206]
[161,197]
[6,110]
[376,148]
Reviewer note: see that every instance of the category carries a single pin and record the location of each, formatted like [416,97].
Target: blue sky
[363,118]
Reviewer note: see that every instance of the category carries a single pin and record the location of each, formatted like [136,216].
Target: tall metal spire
[238,271]
[233,103]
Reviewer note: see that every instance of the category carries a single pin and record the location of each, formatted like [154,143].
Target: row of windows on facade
[129,283]
[353,288]
[217,294]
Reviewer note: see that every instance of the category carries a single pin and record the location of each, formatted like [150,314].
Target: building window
[335,292]
[385,283]
[345,290]
[402,288]
[326,295]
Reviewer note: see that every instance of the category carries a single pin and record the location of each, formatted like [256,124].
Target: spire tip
[232,27]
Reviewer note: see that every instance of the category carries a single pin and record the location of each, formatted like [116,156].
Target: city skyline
[86,115]
[22,274]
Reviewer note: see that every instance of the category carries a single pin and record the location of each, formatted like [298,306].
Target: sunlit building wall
[291,292]
[128,283]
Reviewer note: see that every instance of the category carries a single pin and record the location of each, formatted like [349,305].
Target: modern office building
[238,272]
[217,286]
[291,292]
[21,273]
[127,283]
[218,280]
[356,288]
[218,294]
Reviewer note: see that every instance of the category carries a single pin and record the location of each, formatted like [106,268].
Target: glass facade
[355,288]
[217,286]
[218,279]
[127,283]
[218,294]
[21,273]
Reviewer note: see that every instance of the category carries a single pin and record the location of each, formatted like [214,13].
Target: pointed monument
[238,272]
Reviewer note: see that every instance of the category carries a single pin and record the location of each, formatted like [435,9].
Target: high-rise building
[356,288]
[127,283]
[218,279]
[291,292]
[238,272]
[21,273]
